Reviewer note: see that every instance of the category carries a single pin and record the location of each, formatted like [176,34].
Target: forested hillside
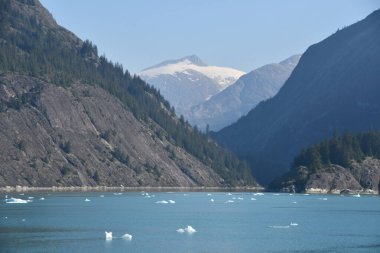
[32,44]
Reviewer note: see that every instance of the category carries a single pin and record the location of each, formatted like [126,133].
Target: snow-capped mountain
[238,99]
[188,81]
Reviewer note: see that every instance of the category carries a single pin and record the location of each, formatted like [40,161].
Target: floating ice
[212,200]
[17,201]
[276,194]
[291,194]
[117,193]
[240,198]
[293,224]
[108,235]
[127,237]
[208,194]
[188,229]
[233,197]
[277,226]
[162,202]
[181,230]
[185,194]
[171,201]
[322,198]
[306,194]
[22,194]
[42,198]
[30,197]
[23,220]
[253,199]
[229,194]
[258,194]
[229,201]
[294,202]
[356,195]
[87,200]
[102,196]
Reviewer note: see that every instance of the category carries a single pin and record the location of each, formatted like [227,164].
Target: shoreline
[125,189]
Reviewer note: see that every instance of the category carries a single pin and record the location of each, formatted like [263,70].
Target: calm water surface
[65,222]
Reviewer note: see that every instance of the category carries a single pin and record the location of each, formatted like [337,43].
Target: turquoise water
[64,222]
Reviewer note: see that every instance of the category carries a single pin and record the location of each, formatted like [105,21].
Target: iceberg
[108,235]
[127,237]
[87,200]
[162,202]
[171,201]
[188,229]
[17,201]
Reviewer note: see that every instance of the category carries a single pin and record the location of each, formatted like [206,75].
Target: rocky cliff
[81,135]
[359,177]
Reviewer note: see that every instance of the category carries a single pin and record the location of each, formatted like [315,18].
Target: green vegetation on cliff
[32,44]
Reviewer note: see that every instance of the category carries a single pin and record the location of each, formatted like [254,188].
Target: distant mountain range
[238,99]
[188,81]
[335,87]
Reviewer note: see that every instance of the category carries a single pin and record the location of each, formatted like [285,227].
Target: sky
[242,34]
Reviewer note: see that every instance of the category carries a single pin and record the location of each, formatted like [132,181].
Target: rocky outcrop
[360,177]
[81,135]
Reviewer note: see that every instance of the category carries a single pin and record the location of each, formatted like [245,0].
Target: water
[64,222]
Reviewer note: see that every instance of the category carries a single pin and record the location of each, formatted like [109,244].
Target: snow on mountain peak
[221,75]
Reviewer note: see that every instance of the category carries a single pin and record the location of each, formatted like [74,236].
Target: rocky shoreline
[123,188]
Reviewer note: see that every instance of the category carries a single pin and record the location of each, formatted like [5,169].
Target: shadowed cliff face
[361,176]
[81,135]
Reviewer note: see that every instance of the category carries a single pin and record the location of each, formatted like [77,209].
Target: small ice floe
[293,224]
[17,201]
[30,197]
[87,200]
[108,235]
[23,220]
[42,198]
[102,196]
[147,196]
[181,230]
[322,198]
[117,193]
[162,202]
[171,201]
[127,237]
[306,194]
[185,194]
[356,195]
[233,198]
[5,217]
[279,226]
[258,194]
[188,229]
[291,194]
[240,198]
[22,194]
[229,201]
[212,200]
[276,194]
[229,194]
[208,194]
[253,199]
[294,202]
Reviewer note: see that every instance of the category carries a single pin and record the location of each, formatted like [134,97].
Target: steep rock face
[238,99]
[335,87]
[81,135]
[359,177]
[188,81]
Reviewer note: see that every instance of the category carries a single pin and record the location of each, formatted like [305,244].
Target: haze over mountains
[238,99]
[189,81]
[334,88]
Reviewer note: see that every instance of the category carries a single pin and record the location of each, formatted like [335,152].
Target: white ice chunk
[253,199]
[87,200]
[212,200]
[190,230]
[229,201]
[181,230]
[127,237]
[108,235]
[17,201]
[162,202]
[171,201]
[293,224]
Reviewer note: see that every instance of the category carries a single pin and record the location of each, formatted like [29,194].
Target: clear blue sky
[243,34]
